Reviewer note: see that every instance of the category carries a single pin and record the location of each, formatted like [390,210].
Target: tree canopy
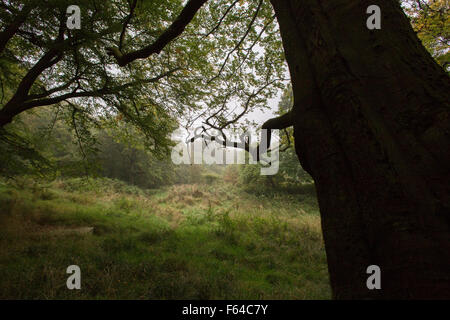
[431,21]
[204,67]
[214,70]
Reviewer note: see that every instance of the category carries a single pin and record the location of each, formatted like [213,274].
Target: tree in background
[430,19]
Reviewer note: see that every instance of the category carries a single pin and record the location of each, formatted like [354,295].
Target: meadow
[213,240]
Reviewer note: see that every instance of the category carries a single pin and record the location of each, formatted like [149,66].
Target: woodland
[94,96]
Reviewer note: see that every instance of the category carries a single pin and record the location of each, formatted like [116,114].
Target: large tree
[371,125]
[371,121]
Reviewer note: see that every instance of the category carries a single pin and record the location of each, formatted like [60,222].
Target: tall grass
[211,241]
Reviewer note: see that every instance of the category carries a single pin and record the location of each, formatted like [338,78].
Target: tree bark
[372,127]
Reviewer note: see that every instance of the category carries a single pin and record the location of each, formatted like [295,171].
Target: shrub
[231,174]
[210,178]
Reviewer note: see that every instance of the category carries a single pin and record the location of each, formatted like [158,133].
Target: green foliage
[98,185]
[186,174]
[290,171]
[431,20]
[133,163]
[210,178]
[85,68]
[250,174]
[153,96]
[18,157]
[119,120]
[231,174]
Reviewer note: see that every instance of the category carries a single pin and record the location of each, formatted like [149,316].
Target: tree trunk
[372,126]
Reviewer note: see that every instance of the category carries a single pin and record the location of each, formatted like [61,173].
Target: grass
[182,242]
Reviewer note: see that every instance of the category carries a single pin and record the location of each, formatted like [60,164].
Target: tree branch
[246,106]
[281,122]
[94,93]
[221,19]
[13,27]
[174,30]
[125,24]
[239,43]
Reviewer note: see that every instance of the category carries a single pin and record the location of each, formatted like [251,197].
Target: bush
[99,185]
[210,178]
[231,174]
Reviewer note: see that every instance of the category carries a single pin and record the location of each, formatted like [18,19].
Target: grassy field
[182,242]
